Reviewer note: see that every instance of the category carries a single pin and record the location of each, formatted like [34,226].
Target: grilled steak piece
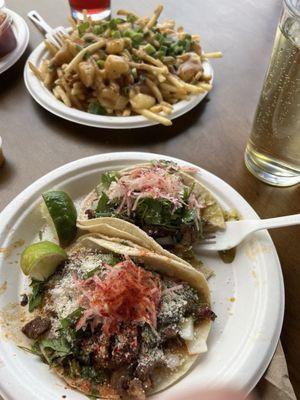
[149,359]
[98,346]
[177,303]
[90,213]
[24,300]
[156,231]
[206,313]
[168,332]
[35,328]
[125,346]
[150,336]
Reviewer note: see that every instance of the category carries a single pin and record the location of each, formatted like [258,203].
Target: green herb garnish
[36,296]
[96,108]
[108,177]
[149,49]
[82,28]
[131,18]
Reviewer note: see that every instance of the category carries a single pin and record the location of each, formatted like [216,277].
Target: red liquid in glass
[92,6]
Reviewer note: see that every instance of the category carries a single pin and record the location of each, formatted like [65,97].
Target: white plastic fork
[53,35]
[236,231]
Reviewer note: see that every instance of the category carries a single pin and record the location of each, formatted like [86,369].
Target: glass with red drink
[96,9]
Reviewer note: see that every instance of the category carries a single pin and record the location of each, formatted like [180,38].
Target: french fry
[126,13]
[50,47]
[74,100]
[155,17]
[154,89]
[126,112]
[161,78]
[148,58]
[167,110]
[198,75]
[59,93]
[157,108]
[149,68]
[48,79]
[173,89]
[175,81]
[85,15]
[35,70]
[206,86]
[194,89]
[154,117]
[89,49]
[44,68]
[216,54]
[72,22]
[166,104]
[71,47]
[168,23]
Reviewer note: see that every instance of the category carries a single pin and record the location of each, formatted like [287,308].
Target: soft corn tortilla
[165,266]
[120,228]
[116,227]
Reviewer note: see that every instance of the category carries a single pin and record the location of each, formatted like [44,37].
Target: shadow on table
[12,77]
[119,137]
[7,172]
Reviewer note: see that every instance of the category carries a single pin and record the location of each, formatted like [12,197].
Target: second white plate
[46,99]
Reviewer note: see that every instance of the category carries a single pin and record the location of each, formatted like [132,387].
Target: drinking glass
[273,149]
[96,9]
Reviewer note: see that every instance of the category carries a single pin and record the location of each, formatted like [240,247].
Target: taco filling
[159,197]
[111,326]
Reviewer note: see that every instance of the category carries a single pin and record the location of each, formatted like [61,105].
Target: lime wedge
[63,214]
[40,260]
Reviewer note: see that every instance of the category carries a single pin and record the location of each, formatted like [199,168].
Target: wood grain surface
[213,135]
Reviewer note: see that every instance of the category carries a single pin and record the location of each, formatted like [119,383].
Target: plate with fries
[129,72]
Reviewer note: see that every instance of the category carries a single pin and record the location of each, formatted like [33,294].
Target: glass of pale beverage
[273,149]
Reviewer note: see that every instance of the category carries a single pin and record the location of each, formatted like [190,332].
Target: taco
[122,322]
[161,198]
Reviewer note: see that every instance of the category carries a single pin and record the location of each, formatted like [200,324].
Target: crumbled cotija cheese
[63,296]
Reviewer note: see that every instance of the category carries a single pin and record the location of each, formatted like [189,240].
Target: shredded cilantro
[108,177]
[36,296]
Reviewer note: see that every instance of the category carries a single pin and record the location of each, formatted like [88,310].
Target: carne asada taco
[119,321]
[161,198]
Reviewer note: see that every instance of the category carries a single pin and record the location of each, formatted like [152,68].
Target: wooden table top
[212,136]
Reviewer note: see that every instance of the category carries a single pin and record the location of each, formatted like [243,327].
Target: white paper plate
[47,100]
[243,337]
[21,32]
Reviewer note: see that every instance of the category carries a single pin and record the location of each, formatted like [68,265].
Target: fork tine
[63,31]
[53,40]
[60,34]
[59,38]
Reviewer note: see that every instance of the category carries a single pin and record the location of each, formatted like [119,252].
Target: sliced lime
[40,260]
[63,214]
